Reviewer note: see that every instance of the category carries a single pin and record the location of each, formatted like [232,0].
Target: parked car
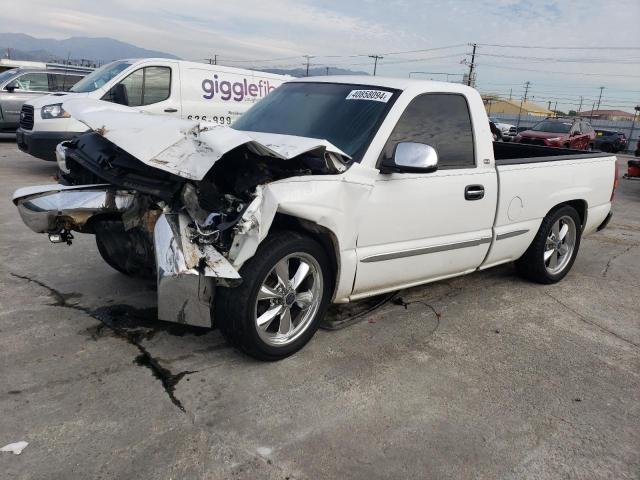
[507,131]
[331,189]
[610,141]
[20,85]
[573,133]
[177,88]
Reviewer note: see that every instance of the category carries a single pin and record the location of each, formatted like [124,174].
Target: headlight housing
[54,111]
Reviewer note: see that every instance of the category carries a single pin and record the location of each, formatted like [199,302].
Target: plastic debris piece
[15,448]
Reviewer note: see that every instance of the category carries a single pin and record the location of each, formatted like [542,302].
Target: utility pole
[599,98]
[580,107]
[549,105]
[473,59]
[524,99]
[633,124]
[375,62]
[327,70]
[591,114]
[308,57]
[555,108]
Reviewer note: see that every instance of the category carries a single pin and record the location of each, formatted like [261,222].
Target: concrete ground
[513,380]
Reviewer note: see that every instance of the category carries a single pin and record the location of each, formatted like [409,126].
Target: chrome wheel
[288,299]
[561,242]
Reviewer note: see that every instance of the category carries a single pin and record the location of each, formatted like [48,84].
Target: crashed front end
[197,201]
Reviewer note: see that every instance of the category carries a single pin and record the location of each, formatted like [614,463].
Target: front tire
[129,252]
[284,295]
[554,248]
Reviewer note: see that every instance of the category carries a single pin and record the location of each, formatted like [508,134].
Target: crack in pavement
[591,322]
[134,337]
[613,257]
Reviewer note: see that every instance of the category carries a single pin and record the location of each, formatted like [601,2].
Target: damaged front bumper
[187,272]
[55,208]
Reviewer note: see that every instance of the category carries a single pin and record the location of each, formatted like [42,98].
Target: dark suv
[573,133]
[610,141]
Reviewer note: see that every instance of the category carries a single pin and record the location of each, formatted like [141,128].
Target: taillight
[615,182]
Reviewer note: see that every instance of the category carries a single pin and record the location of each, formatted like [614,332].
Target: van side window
[145,86]
[441,120]
[33,82]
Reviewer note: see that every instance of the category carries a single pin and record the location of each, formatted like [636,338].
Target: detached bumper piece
[56,209]
[187,273]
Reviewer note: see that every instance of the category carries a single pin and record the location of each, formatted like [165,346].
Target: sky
[278,33]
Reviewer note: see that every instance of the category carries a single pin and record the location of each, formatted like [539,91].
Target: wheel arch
[323,235]
[579,205]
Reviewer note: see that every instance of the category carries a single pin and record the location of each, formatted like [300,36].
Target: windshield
[552,127]
[98,78]
[344,115]
[7,75]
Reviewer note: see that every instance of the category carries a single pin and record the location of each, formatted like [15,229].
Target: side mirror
[411,157]
[119,94]
[11,86]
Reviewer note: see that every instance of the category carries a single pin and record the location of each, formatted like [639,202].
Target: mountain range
[100,50]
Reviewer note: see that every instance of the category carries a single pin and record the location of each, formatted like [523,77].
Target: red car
[571,133]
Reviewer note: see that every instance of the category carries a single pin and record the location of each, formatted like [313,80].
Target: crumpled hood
[183,147]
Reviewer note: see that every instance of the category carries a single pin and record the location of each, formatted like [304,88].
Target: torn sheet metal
[187,273]
[183,147]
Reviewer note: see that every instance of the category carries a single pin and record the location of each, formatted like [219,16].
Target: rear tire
[554,248]
[283,297]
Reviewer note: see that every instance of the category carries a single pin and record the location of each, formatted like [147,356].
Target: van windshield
[100,77]
[7,75]
[344,115]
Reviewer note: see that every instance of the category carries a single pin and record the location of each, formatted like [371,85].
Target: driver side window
[145,86]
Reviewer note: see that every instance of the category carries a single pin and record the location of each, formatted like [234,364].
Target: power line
[563,60]
[560,73]
[543,47]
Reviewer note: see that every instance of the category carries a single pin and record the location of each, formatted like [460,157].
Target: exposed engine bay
[214,204]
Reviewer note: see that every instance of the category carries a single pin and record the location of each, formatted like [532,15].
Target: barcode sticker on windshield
[374,95]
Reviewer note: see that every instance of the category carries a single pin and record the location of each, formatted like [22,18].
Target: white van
[187,90]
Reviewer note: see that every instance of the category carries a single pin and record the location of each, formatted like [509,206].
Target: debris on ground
[15,448]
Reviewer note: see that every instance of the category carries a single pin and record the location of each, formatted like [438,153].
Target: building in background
[496,105]
[615,115]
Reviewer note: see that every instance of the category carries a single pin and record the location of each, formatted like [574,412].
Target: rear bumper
[41,144]
[606,221]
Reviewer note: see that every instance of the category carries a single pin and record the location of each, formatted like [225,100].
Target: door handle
[171,110]
[474,192]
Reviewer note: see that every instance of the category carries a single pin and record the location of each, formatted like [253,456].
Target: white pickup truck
[329,190]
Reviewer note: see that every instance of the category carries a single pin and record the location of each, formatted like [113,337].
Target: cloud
[254,29]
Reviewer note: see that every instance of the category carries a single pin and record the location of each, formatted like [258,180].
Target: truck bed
[508,153]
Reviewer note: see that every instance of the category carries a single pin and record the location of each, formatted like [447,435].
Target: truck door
[153,88]
[418,227]
[28,86]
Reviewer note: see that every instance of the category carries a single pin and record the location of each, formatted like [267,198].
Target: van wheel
[554,248]
[282,299]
